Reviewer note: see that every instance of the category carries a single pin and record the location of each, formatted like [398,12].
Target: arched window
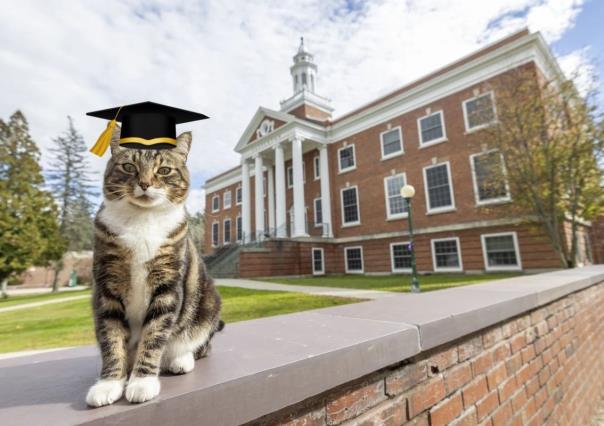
[312,82]
[304,82]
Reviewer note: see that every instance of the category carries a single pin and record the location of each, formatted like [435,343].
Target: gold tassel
[102,143]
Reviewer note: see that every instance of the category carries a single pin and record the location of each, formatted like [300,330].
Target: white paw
[105,392]
[141,389]
[182,364]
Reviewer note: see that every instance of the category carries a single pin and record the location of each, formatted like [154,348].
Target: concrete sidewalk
[43,302]
[318,291]
[41,290]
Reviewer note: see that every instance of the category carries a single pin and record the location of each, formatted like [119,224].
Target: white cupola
[304,70]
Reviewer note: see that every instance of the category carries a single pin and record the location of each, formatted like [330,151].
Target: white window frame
[465,113]
[514,235]
[441,269]
[314,206]
[358,222]
[217,233]
[479,202]
[362,271]
[237,229]
[224,240]
[312,258]
[393,268]
[354,157]
[224,199]
[316,167]
[437,210]
[396,153]
[240,190]
[390,216]
[442,139]
[217,209]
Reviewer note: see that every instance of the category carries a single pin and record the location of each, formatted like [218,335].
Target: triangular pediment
[264,122]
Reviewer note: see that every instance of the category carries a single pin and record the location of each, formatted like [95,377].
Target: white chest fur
[143,232]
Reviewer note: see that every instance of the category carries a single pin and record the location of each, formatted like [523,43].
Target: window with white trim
[396,206]
[318,261]
[488,173]
[350,206]
[479,111]
[446,254]
[501,251]
[239,230]
[215,230]
[391,142]
[226,200]
[318,212]
[215,203]
[439,190]
[290,177]
[354,260]
[346,159]
[317,167]
[431,129]
[238,196]
[400,256]
[227,231]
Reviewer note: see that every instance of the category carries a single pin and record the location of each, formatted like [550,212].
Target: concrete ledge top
[260,366]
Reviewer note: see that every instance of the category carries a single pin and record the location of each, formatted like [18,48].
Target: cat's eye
[129,167]
[164,171]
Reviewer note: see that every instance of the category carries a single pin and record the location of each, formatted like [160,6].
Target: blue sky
[225,59]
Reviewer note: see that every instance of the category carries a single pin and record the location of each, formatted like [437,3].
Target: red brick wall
[544,367]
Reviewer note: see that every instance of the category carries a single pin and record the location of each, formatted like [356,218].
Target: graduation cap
[146,125]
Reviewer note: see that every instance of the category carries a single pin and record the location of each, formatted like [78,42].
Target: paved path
[40,290]
[319,291]
[43,302]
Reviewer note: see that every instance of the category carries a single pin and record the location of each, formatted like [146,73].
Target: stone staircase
[224,262]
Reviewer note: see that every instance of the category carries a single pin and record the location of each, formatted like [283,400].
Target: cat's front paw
[181,364]
[141,389]
[105,392]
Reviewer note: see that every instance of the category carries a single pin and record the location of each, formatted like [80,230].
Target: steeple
[304,70]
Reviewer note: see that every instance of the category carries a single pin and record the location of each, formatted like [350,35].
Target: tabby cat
[154,305]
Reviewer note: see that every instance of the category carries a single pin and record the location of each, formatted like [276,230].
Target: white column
[280,192]
[271,198]
[259,193]
[246,213]
[325,194]
[299,220]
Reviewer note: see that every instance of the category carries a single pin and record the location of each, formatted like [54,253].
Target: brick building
[329,198]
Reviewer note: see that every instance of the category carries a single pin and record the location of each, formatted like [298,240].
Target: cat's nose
[143,185]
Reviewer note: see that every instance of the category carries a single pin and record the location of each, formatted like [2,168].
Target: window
[226,200]
[215,227]
[501,251]
[354,260]
[431,129]
[439,191]
[392,142]
[346,159]
[238,196]
[318,212]
[317,261]
[479,112]
[400,256]
[215,203]
[317,168]
[290,177]
[227,231]
[488,174]
[264,185]
[446,255]
[396,206]
[239,225]
[350,206]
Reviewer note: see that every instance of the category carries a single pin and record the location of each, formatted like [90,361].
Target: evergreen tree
[69,177]
[29,231]
[196,227]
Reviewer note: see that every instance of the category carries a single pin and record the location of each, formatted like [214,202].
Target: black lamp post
[407,192]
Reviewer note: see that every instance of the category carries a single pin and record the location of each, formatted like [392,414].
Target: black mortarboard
[145,125]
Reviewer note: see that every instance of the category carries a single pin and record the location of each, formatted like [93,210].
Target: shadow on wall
[40,276]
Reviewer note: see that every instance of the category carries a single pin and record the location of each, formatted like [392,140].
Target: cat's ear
[183,144]
[115,139]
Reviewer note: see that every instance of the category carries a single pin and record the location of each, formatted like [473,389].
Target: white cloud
[227,58]
[579,66]
[196,201]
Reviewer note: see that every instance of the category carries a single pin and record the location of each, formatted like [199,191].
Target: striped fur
[154,305]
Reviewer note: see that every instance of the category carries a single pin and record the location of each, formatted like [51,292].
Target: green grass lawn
[70,323]
[399,283]
[19,300]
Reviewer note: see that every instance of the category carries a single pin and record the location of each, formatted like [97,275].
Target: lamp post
[407,192]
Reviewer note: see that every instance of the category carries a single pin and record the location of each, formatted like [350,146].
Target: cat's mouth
[144,200]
